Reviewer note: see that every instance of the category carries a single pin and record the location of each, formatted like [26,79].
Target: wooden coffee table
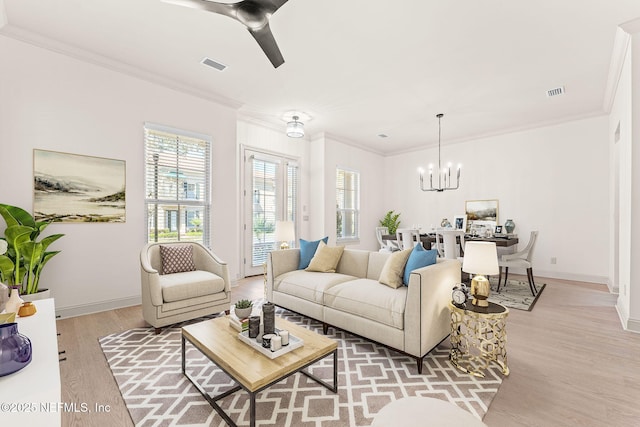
[253,371]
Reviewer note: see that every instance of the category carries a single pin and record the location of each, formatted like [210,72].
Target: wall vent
[213,64]
[555,91]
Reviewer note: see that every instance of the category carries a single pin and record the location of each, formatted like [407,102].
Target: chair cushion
[308,285]
[307,250]
[190,284]
[176,258]
[391,274]
[326,258]
[419,257]
[369,299]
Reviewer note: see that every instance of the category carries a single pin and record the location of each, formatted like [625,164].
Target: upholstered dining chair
[182,281]
[521,259]
[408,238]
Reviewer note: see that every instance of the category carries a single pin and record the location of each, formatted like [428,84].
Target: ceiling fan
[253,14]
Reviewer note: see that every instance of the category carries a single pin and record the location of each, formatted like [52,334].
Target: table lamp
[285,233]
[480,258]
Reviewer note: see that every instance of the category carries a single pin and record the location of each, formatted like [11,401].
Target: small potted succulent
[243,308]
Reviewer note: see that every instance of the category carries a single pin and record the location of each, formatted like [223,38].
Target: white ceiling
[358,67]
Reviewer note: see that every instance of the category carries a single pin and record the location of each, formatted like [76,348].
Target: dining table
[428,239]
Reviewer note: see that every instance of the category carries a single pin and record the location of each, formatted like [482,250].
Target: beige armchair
[171,298]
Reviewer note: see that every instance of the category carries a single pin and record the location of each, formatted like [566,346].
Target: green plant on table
[243,303]
[25,257]
[391,221]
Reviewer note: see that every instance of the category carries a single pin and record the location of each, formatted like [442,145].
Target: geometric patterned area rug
[516,294]
[147,369]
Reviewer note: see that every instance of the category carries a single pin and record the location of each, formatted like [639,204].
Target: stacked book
[239,325]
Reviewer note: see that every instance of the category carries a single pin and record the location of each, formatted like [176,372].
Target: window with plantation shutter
[347,204]
[177,185]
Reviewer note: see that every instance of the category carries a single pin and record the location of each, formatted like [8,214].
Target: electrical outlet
[554,260]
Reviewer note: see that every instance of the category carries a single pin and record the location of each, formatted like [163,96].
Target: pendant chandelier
[444,175]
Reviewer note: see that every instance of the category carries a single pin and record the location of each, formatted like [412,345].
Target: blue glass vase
[509,226]
[15,349]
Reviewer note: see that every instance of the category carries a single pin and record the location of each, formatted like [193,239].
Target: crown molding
[3,15]
[37,40]
[506,131]
[620,46]
[351,143]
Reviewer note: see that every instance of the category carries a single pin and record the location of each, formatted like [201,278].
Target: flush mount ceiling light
[295,129]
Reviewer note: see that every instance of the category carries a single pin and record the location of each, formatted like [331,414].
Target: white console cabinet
[31,396]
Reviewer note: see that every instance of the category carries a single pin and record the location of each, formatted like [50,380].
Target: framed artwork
[482,216]
[460,222]
[77,188]
[498,229]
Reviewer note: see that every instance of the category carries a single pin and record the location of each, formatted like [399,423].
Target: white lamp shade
[285,231]
[295,129]
[480,258]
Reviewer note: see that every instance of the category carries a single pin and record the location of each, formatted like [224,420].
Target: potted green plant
[243,308]
[25,258]
[391,221]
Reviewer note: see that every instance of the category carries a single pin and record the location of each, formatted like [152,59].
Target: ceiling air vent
[213,64]
[555,92]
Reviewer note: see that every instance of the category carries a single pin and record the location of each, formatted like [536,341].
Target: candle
[276,343]
[284,335]
[254,326]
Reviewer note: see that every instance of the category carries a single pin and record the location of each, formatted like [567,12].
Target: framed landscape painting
[77,188]
[481,215]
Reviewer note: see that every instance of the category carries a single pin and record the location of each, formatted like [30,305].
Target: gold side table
[479,337]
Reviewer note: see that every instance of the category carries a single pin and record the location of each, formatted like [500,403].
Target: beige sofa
[412,319]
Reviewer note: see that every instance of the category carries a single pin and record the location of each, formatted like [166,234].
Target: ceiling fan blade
[209,6]
[275,3]
[267,42]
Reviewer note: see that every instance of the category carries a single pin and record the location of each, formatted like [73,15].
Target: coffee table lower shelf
[213,400]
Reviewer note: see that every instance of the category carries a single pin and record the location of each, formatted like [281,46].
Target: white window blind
[347,204]
[177,185]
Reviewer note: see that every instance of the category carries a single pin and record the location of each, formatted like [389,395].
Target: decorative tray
[294,342]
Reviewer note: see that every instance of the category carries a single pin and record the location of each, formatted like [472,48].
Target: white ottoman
[424,412]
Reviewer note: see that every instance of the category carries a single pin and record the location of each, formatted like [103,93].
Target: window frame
[201,197]
[341,211]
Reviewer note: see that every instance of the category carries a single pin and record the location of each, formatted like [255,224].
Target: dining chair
[521,259]
[408,238]
[447,242]
[386,245]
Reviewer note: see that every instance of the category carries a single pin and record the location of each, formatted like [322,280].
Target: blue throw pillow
[419,257]
[307,251]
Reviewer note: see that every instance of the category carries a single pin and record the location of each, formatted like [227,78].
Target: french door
[270,195]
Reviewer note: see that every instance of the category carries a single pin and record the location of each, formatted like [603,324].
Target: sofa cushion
[369,299]
[391,274]
[308,250]
[308,285]
[326,258]
[190,284]
[354,262]
[419,257]
[176,258]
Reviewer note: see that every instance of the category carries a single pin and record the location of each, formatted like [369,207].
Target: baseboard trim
[628,324]
[571,276]
[97,307]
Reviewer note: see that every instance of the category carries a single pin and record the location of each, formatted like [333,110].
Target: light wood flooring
[571,363]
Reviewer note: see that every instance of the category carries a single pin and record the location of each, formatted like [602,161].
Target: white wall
[53,102]
[625,179]
[552,179]
[372,176]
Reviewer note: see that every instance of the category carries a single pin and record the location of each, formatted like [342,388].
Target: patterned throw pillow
[177,259]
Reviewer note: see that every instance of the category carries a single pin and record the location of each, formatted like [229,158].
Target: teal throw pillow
[308,250]
[419,257]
